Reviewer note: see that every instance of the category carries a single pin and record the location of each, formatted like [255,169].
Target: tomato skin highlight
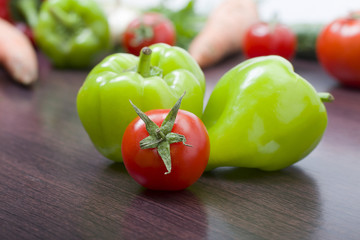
[188,163]
[263,39]
[338,50]
[146,30]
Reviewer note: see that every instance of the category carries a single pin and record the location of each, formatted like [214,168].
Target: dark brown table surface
[55,185]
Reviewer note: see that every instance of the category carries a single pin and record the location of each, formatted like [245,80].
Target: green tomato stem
[326,97]
[144,66]
[355,15]
[273,23]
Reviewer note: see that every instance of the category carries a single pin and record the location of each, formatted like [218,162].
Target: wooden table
[55,185]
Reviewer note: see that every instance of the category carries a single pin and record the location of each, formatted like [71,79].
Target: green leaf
[150,142]
[175,138]
[164,152]
[169,121]
[151,127]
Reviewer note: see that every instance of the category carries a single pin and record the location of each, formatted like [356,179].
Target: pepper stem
[144,66]
[326,97]
[62,17]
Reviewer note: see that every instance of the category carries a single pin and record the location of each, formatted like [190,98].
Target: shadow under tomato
[146,214]
[165,215]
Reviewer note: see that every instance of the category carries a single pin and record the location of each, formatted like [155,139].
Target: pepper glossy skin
[72,33]
[263,115]
[103,100]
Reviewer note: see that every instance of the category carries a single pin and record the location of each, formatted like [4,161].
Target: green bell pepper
[155,80]
[72,33]
[263,115]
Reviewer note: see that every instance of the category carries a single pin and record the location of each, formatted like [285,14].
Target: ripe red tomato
[262,39]
[188,163]
[338,49]
[146,30]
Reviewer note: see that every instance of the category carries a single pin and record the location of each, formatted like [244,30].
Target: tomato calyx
[143,32]
[273,23]
[354,15]
[161,137]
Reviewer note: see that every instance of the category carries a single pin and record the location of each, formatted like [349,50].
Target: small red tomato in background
[338,49]
[262,39]
[146,30]
[4,10]
[187,162]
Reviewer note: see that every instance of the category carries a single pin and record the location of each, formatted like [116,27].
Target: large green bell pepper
[154,81]
[263,115]
[72,33]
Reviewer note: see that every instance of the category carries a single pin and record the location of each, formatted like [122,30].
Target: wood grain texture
[55,185]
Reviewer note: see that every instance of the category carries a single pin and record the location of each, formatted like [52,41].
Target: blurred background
[209,30]
[290,11]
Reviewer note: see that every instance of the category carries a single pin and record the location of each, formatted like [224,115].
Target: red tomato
[4,10]
[338,49]
[262,39]
[188,163]
[146,30]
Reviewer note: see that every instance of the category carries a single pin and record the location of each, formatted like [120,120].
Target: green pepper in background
[155,80]
[263,115]
[72,33]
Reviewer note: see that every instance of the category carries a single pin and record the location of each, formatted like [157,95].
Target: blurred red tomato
[4,10]
[146,30]
[262,39]
[338,49]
